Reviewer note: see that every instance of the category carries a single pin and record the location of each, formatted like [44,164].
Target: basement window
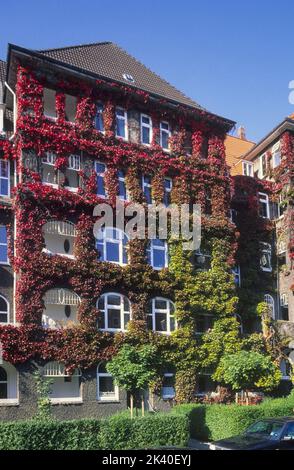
[49,98]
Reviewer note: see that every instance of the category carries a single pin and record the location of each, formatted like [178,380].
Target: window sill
[113,400]
[9,402]
[66,401]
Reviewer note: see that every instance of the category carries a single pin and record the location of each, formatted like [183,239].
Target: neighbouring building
[84,125]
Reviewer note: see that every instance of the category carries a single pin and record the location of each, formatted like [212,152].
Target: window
[146,129]
[265,257]
[3,245]
[8,384]
[262,166]
[4,310]
[146,188]
[164,135]
[203,324]
[168,184]
[271,304]
[202,260]
[100,169]
[284,300]
[106,388]
[205,384]
[121,123]
[247,169]
[112,245]
[157,254]
[48,168]
[161,315]
[282,206]
[65,388]
[99,122]
[59,237]
[70,108]
[284,303]
[115,312]
[208,203]
[49,103]
[263,205]
[233,215]
[72,171]
[237,275]
[285,368]
[276,153]
[168,386]
[4,178]
[61,308]
[122,189]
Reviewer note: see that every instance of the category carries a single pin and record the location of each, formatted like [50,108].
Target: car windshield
[268,429]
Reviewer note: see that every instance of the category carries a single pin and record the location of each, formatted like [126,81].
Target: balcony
[61,308]
[59,237]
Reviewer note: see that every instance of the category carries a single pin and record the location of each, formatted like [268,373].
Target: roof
[108,60]
[236,148]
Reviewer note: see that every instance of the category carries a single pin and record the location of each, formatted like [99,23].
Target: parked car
[266,434]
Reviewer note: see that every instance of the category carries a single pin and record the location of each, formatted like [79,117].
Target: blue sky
[234,58]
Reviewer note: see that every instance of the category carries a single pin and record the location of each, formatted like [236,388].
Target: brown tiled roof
[108,60]
[235,149]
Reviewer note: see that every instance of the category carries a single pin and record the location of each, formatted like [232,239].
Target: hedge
[213,422]
[118,432]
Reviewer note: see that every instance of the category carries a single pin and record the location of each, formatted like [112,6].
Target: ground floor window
[168,386]
[106,388]
[8,383]
[65,387]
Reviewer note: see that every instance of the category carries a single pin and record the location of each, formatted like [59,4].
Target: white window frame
[154,311]
[57,371]
[7,313]
[164,395]
[263,199]
[6,178]
[266,250]
[103,240]
[49,159]
[99,110]
[237,274]
[147,185]
[261,173]
[284,299]
[102,175]
[168,190]
[112,398]
[74,162]
[151,248]
[124,118]
[247,168]
[48,116]
[147,126]
[276,150]
[12,385]
[165,131]
[123,180]
[5,263]
[269,300]
[114,307]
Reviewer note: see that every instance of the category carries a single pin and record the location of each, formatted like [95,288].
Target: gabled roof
[236,148]
[108,60]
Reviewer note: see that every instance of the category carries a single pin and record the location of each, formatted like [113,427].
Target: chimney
[241,133]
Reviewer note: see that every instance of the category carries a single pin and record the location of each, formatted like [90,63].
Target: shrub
[213,422]
[51,435]
[121,432]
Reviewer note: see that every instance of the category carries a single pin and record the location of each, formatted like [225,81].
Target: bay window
[115,312]
[106,388]
[3,245]
[112,245]
[161,315]
[157,254]
[121,123]
[164,135]
[4,178]
[146,129]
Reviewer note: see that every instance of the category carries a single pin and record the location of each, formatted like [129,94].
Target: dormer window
[146,129]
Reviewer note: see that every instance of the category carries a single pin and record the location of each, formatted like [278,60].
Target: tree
[134,368]
[247,370]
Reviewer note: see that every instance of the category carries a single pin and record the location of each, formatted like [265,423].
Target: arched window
[161,315]
[106,388]
[4,310]
[61,308]
[8,383]
[157,254]
[65,387]
[115,312]
[59,237]
[112,245]
[271,304]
